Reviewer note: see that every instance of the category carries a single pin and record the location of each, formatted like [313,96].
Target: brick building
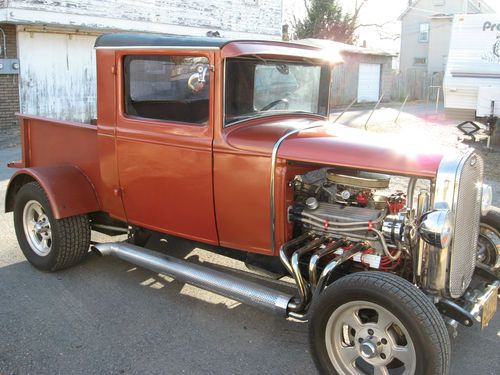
[9,87]
[53,41]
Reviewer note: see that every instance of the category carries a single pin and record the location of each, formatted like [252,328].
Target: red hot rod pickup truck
[227,143]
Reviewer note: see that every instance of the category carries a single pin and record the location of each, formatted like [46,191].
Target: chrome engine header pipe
[285,248]
[230,286]
[347,255]
[316,257]
[302,285]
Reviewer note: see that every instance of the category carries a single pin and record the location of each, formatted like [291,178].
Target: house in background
[52,43]
[426,31]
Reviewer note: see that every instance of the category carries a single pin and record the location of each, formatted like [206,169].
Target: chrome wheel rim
[37,228]
[489,247]
[364,338]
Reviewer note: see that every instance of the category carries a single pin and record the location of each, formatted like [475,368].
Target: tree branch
[378,25]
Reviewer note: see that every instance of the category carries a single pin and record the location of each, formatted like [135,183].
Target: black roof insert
[157,40]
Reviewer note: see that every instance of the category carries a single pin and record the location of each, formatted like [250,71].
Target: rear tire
[377,322]
[47,243]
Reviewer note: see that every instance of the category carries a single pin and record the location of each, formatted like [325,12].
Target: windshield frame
[264,114]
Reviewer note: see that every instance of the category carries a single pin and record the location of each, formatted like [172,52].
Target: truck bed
[51,142]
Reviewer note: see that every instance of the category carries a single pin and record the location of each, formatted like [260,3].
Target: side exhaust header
[233,287]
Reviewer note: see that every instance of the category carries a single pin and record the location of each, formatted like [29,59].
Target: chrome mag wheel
[37,228]
[365,338]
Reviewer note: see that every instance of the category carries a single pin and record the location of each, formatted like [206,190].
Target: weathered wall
[416,85]
[9,94]
[168,16]
[345,77]
[58,75]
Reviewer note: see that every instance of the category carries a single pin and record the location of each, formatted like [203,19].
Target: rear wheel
[47,243]
[377,323]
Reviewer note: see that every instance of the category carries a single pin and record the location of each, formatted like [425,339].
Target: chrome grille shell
[449,271]
[467,217]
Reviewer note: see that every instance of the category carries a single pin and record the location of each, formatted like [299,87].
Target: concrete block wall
[9,94]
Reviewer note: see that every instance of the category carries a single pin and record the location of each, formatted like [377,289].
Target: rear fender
[68,189]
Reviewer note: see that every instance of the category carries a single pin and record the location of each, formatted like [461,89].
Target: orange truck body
[206,183]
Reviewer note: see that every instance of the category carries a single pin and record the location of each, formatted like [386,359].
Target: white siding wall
[471,52]
[439,44]
[410,25]
[232,18]
[58,75]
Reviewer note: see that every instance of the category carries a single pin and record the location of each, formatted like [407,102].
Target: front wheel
[488,252]
[48,244]
[377,323]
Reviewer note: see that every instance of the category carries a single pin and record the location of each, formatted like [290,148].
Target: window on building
[170,88]
[423,35]
[420,61]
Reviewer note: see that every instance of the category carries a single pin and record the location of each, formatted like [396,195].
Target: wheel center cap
[38,227]
[368,349]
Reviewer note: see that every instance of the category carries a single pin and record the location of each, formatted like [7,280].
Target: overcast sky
[374,11]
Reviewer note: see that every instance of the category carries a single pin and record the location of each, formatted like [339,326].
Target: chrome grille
[466,206]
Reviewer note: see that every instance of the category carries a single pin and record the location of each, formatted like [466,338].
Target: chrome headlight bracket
[436,228]
[486,199]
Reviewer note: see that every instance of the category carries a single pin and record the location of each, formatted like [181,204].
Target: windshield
[257,87]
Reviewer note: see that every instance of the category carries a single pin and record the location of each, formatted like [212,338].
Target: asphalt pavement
[105,316]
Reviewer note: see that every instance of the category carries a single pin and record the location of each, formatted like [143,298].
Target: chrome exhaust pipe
[233,287]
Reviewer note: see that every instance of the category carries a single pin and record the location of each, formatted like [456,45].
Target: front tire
[489,240]
[47,243]
[377,323]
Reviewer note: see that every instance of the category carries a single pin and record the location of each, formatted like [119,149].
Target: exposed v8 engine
[356,206]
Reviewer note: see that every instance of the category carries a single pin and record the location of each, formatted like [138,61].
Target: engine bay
[356,207]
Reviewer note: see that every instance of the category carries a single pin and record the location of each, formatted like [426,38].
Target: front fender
[68,189]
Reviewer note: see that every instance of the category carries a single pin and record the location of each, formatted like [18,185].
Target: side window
[423,35]
[170,88]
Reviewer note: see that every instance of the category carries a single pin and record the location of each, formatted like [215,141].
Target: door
[369,82]
[164,142]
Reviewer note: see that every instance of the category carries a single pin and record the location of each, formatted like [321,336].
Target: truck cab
[170,109]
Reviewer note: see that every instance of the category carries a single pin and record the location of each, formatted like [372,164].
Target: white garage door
[369,82]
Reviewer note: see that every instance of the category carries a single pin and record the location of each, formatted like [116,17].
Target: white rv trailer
[472,78]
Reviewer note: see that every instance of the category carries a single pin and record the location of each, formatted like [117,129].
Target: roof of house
[343,47]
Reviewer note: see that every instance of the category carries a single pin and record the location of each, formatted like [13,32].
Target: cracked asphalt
[105,316]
